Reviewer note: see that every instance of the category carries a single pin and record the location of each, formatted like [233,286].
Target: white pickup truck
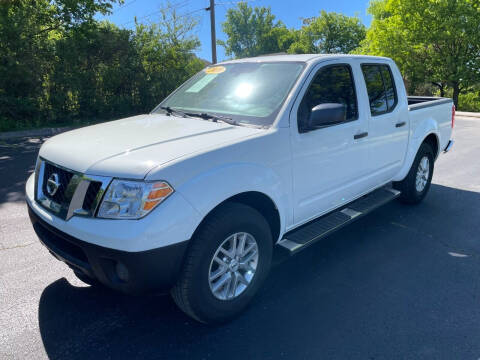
[246,157]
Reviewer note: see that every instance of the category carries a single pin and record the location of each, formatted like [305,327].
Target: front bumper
[130,272]
[449,146]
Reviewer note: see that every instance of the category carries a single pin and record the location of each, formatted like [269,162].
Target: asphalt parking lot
[401,283]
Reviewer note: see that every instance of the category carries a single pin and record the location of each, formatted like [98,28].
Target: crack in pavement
[17,246]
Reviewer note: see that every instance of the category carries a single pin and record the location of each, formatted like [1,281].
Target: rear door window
[389,87]
[380,88]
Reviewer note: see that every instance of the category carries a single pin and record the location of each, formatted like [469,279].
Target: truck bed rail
[421,102]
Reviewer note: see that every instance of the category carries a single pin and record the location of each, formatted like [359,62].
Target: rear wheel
[416,184]
[227,262]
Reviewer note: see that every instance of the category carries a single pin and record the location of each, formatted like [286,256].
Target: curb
[467,114]
[34,132]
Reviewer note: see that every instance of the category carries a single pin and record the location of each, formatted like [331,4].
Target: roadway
[401,283]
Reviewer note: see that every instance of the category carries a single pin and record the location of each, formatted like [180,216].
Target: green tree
[95,74]
[166,52]
[431,40]
[329,33]
[58,64]
[28,29]
[253,32]
[103,72]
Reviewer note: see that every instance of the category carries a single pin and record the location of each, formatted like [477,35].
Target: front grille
[64,178]
[91,195]
[76,193]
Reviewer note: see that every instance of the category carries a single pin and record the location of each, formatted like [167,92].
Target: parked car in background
[247,156]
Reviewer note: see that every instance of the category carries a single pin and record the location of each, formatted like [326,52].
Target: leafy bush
[59,66]
[469,102]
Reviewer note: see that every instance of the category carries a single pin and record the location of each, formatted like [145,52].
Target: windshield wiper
[205,116]
[215,118]
[171,111]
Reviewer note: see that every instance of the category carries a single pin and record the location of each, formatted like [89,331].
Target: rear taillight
[453,116]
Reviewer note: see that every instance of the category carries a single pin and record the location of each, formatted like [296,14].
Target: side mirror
[326,114]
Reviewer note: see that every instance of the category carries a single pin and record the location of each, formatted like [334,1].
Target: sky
[290,12]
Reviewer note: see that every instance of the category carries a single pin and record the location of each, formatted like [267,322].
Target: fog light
[122,272]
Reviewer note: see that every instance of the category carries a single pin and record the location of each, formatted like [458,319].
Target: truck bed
[436,110]
[420,102]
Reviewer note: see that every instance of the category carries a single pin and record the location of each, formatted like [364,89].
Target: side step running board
[317,229]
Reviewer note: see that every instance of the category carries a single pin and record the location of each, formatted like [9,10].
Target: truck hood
[131,147]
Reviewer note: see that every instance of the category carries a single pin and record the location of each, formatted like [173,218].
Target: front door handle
[361,135]
[400,124]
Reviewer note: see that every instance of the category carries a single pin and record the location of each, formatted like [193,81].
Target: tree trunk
[456,93]
[441,87]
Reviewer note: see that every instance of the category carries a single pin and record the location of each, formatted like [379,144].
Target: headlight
[126,199]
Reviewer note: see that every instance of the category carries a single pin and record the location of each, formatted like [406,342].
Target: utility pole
[212,29]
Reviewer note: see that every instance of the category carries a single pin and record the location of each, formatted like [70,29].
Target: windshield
[247,92]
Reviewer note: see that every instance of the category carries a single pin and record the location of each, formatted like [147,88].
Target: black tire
[87,279]
[409,192]
[192,291]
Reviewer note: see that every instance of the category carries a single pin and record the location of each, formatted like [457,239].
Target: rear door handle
[400,124]
[361,135]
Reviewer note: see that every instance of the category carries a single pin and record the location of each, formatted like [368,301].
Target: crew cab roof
[302,58]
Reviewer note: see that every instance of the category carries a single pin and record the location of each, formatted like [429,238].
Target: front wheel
[227,262]
[416,184]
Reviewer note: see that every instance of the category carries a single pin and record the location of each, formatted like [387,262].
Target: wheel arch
[430,138]
[258,201]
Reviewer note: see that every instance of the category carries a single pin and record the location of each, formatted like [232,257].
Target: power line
[183,15]
[235,2]
[120,8]
[181,4]
[192,12]
[174,6]
[213,35]
[126,4]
